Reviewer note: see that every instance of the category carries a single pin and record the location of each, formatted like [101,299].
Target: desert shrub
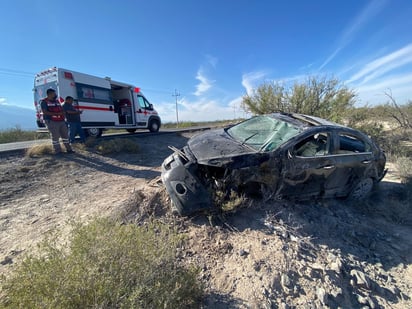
[404,165]
[317,95]
[18,135]
[117,145]
[104,265]
[39,150]
[395,144]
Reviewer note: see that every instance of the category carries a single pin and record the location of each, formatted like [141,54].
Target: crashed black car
[294,156]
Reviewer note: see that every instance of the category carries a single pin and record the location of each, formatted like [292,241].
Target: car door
[307,167]
[142,110]
[353,158]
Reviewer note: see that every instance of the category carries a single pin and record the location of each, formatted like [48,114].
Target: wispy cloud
[374,92]
[212,60]
[249,80]
[204,85]
[373,8]
[382,65]
[204,82]
[3,100]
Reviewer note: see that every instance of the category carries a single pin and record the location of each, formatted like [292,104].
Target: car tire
[131,130]
[93,132]
[361,189]
[154,125]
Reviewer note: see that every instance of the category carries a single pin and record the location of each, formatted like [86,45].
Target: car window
[263,133]
[352,144]
[313,146]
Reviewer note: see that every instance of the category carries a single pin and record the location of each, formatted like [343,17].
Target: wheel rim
[155,126]
[362,188]
[93,131]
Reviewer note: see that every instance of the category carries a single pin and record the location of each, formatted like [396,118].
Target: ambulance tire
[131,130]
[93,132]
[154,125]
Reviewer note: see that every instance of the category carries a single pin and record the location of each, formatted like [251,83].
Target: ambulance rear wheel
[131,130]
[93,132]
[154,125]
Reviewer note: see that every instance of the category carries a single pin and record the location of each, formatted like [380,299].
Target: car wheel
[362,189]
[94,132]
[131,130]
[154,126]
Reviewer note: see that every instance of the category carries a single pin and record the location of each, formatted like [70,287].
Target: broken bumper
[186,191]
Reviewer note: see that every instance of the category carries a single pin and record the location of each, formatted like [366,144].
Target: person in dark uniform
[73,120]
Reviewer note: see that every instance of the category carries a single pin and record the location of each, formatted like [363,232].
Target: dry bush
[117,145]
[39,150]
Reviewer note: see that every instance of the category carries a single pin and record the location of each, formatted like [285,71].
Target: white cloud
[249,80]
[3,100]
[384,64]
[374,92]
[351,30]
[204,85]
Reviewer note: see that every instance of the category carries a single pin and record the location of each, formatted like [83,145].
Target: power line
[176,94]
[5,71]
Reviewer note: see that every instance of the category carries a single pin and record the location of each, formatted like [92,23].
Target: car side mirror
[150,106]
[290,154]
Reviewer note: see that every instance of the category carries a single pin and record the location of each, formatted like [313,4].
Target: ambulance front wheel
[93,132]
[154,125]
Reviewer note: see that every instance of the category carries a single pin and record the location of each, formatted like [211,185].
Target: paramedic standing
[53,116]
[73,120]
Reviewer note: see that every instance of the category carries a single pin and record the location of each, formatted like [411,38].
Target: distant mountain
[12,116]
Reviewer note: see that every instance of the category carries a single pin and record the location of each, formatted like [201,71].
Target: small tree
[318,96]
[398,113]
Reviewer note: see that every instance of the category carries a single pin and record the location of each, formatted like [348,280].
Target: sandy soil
[267,255]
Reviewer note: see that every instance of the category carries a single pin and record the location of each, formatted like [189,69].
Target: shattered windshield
[263,133]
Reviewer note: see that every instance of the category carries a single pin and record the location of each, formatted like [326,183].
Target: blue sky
[212,52]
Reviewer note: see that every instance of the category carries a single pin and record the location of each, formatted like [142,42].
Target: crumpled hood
[215,144]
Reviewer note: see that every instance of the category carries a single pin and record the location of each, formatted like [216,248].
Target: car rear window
[352,144]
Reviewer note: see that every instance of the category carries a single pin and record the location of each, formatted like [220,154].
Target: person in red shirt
[53,116]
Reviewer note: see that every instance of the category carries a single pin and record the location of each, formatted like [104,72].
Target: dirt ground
[267,255]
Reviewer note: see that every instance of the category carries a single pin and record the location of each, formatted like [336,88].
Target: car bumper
[185,189]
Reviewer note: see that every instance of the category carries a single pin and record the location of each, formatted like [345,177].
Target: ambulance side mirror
[150,106]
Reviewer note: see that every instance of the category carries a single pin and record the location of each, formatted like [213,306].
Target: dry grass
[39,150]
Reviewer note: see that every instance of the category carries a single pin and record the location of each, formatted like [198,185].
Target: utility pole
[176,94]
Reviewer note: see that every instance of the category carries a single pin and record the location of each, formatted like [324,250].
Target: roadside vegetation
[18,135]
[103,147]
[105,264]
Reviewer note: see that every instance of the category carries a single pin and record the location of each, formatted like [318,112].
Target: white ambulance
[106,104]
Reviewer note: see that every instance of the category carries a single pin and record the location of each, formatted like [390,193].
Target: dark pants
[74,129]
[58,129]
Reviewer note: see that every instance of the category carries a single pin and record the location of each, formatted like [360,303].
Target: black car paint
[213,160]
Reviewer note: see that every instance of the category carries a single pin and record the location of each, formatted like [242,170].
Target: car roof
[303,120]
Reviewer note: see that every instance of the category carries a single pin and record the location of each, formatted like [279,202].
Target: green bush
[104,265]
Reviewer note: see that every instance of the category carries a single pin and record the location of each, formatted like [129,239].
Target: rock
[7,260]
[321,295]
[243,252]
[285,283]
[361,300]
[336,265]
[359,279]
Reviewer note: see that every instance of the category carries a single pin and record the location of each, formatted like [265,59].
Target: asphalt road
[20,147]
